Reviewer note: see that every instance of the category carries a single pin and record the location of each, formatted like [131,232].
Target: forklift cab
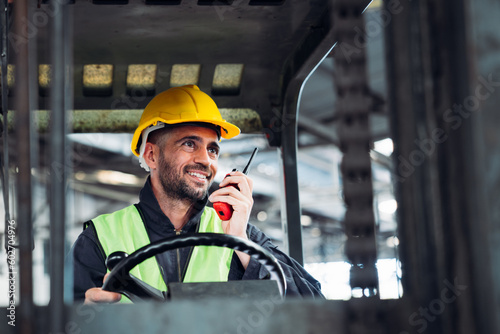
[74,67]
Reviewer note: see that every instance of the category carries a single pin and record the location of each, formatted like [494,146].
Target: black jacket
[89,268]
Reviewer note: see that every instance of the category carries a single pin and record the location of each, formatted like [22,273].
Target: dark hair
[157,137]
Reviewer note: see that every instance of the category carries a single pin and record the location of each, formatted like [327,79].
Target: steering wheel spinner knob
[114,258]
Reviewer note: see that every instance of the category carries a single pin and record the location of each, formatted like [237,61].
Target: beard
[175,187]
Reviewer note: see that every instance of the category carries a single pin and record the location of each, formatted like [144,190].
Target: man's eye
[189,144]
[213,151]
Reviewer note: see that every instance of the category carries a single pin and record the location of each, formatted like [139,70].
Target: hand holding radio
[224,210]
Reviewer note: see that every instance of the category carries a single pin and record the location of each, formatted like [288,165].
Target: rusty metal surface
[125,121]
[141,78]
[98,79]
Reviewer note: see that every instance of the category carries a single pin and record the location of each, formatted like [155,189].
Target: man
[177,142]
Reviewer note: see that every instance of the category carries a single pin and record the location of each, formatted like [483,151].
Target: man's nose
[202,157]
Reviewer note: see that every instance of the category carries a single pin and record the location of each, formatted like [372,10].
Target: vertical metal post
[484,179]
[317,48]
[5,108]
[60,98]
[407,100]
[23,132]
[291,212]
[68,107]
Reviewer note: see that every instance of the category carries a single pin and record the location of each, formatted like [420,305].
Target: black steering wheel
[120,264]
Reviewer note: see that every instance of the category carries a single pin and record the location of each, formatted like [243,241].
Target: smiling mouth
[200,177]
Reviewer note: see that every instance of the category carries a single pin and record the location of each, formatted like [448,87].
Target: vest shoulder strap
[122,230]
[90,224]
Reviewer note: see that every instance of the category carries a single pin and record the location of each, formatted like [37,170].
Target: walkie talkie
[224,210]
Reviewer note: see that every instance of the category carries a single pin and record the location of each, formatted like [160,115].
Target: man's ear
[151,155]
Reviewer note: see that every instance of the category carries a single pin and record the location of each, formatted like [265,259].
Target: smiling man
[177,141]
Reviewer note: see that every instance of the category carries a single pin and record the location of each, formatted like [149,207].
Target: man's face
[188,162]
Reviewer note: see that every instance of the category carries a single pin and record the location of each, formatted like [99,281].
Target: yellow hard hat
[183,104]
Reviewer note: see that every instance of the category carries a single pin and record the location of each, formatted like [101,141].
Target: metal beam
[4,13]
[23,140]
[61,100]
[126,120]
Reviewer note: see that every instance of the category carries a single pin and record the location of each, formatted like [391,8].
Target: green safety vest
[124,230]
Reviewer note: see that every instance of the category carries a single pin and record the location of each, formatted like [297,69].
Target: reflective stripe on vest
[124,231]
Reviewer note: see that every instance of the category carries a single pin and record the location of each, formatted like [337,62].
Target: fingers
[244,183]
[240,200]
[242,193]
[232,195]
[98,295]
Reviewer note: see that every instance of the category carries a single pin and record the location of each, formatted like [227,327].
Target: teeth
[197,175]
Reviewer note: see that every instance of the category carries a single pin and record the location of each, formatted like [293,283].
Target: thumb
[105,277]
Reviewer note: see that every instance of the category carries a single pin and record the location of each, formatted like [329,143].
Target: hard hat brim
[228,130]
